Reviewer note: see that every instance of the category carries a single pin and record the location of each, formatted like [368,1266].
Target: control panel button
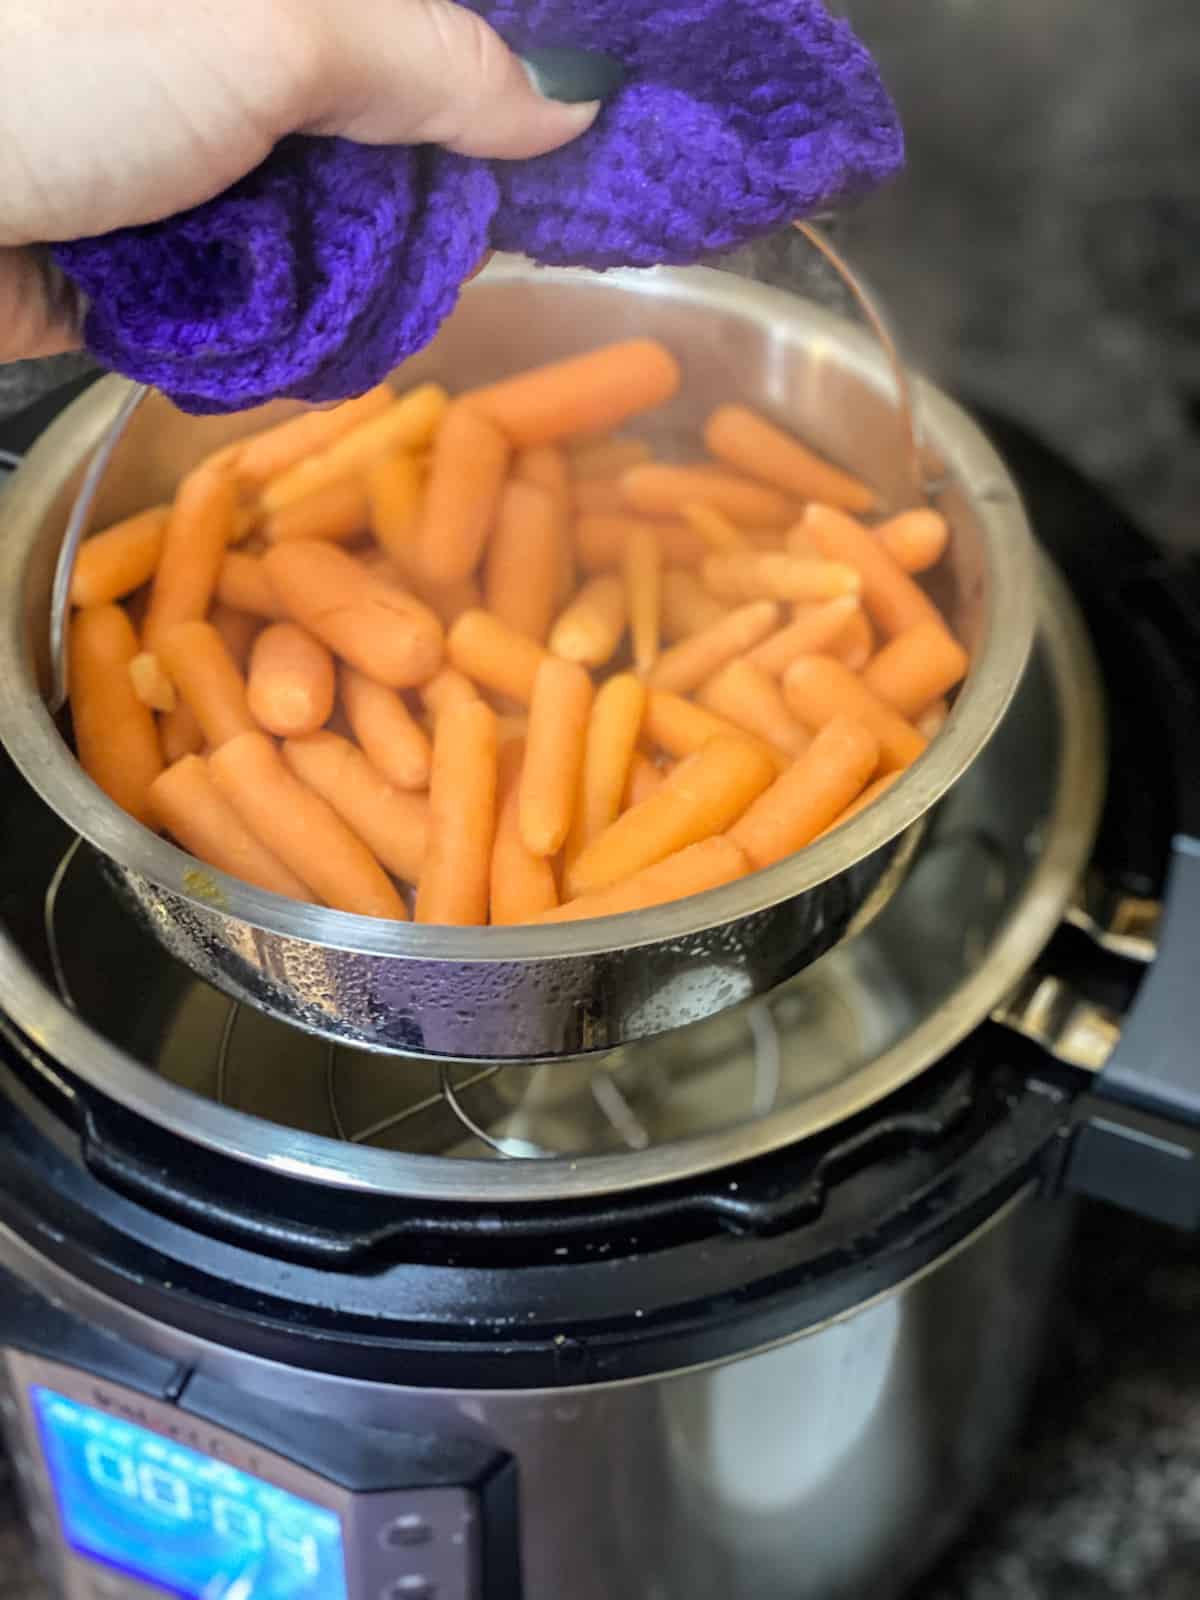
[403,1532]
[411,1587]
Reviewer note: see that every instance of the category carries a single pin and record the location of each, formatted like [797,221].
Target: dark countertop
[1042,255]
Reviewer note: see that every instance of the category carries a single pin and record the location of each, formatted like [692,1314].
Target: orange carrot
[644,778]
[243,585]
[815,630]
[194,656]
[394,486]
[447,601]
[702,796]
[774,575]
[239,629]
[455,884]
[713,526]
[681,728]
[375,626]
[291,683]
[186,802]
[193,549]
[115,735]
[524,560]
[692,870]
[268,454]
[607,458]
[585,394]
[114,563]
[600,540]
[752,699]
[522,884]
[493,655]
[687,606]
[592,626]
[659,489]
[889,595]
[304,830]
[612,735]
[470,458]
[797,542]
[818,689]
[180,733]
[554,750]
[387,730]
[810,794]
[392,823]
[406,424]
[151,684]
[867,798]
[546,466]
[915,540]
[449,687]
[932,720]
[688,663]
[855,645]
[600,497]
[643,592]
[743,439]
[916,668]
[339,512]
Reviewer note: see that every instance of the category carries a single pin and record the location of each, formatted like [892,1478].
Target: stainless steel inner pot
[527,993]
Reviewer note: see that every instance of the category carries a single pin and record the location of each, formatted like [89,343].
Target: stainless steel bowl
[531,993]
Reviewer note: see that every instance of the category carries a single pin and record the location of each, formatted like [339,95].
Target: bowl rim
[42,755]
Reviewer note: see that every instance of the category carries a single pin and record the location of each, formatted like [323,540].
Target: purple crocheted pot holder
[324,269]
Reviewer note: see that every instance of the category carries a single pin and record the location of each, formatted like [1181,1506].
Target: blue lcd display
[172,1517]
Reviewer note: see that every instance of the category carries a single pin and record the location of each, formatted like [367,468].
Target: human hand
[123,112]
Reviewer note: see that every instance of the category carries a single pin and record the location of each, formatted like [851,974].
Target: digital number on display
[184,1521]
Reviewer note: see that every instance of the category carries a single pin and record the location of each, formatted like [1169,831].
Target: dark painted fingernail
[573,76]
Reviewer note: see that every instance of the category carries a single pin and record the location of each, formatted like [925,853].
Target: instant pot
[707,1316]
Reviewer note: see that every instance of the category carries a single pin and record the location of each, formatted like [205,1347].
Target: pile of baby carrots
[484,659]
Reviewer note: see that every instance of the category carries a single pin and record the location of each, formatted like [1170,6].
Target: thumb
[431,72]
[40,312]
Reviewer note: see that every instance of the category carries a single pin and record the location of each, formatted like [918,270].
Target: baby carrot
[406,424]
[692,870]
[592,626]
[554,749]
[243,585]
[114,563]
[713,526]
[524,560]
[687,606]
[643,592]
[889,595]
[915,540]
[447,601]
[291,683]
[612,736]
[393,486]
[268,454]
[374,625]
[644,778]
[743,439]
[932,720]
[752,699]
[818,689]
[180,733]
[814,791]
[590,393]
[600,497]
[814,630]
[546,466]
[692,660]
[702,796]
[304,830]
[470,458]
[775,575]
[600,540]
[115,735]
[455,883]
[386,729]
[855,645]
[659,489]
[186,802]
[391,822]
[681,728]
[916,668]
[607,458]
[339,512]
[449,687]
[207,679]
[193,549]
[522,884]
[867,798]
[239,629]
[494,655]
[151,684]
